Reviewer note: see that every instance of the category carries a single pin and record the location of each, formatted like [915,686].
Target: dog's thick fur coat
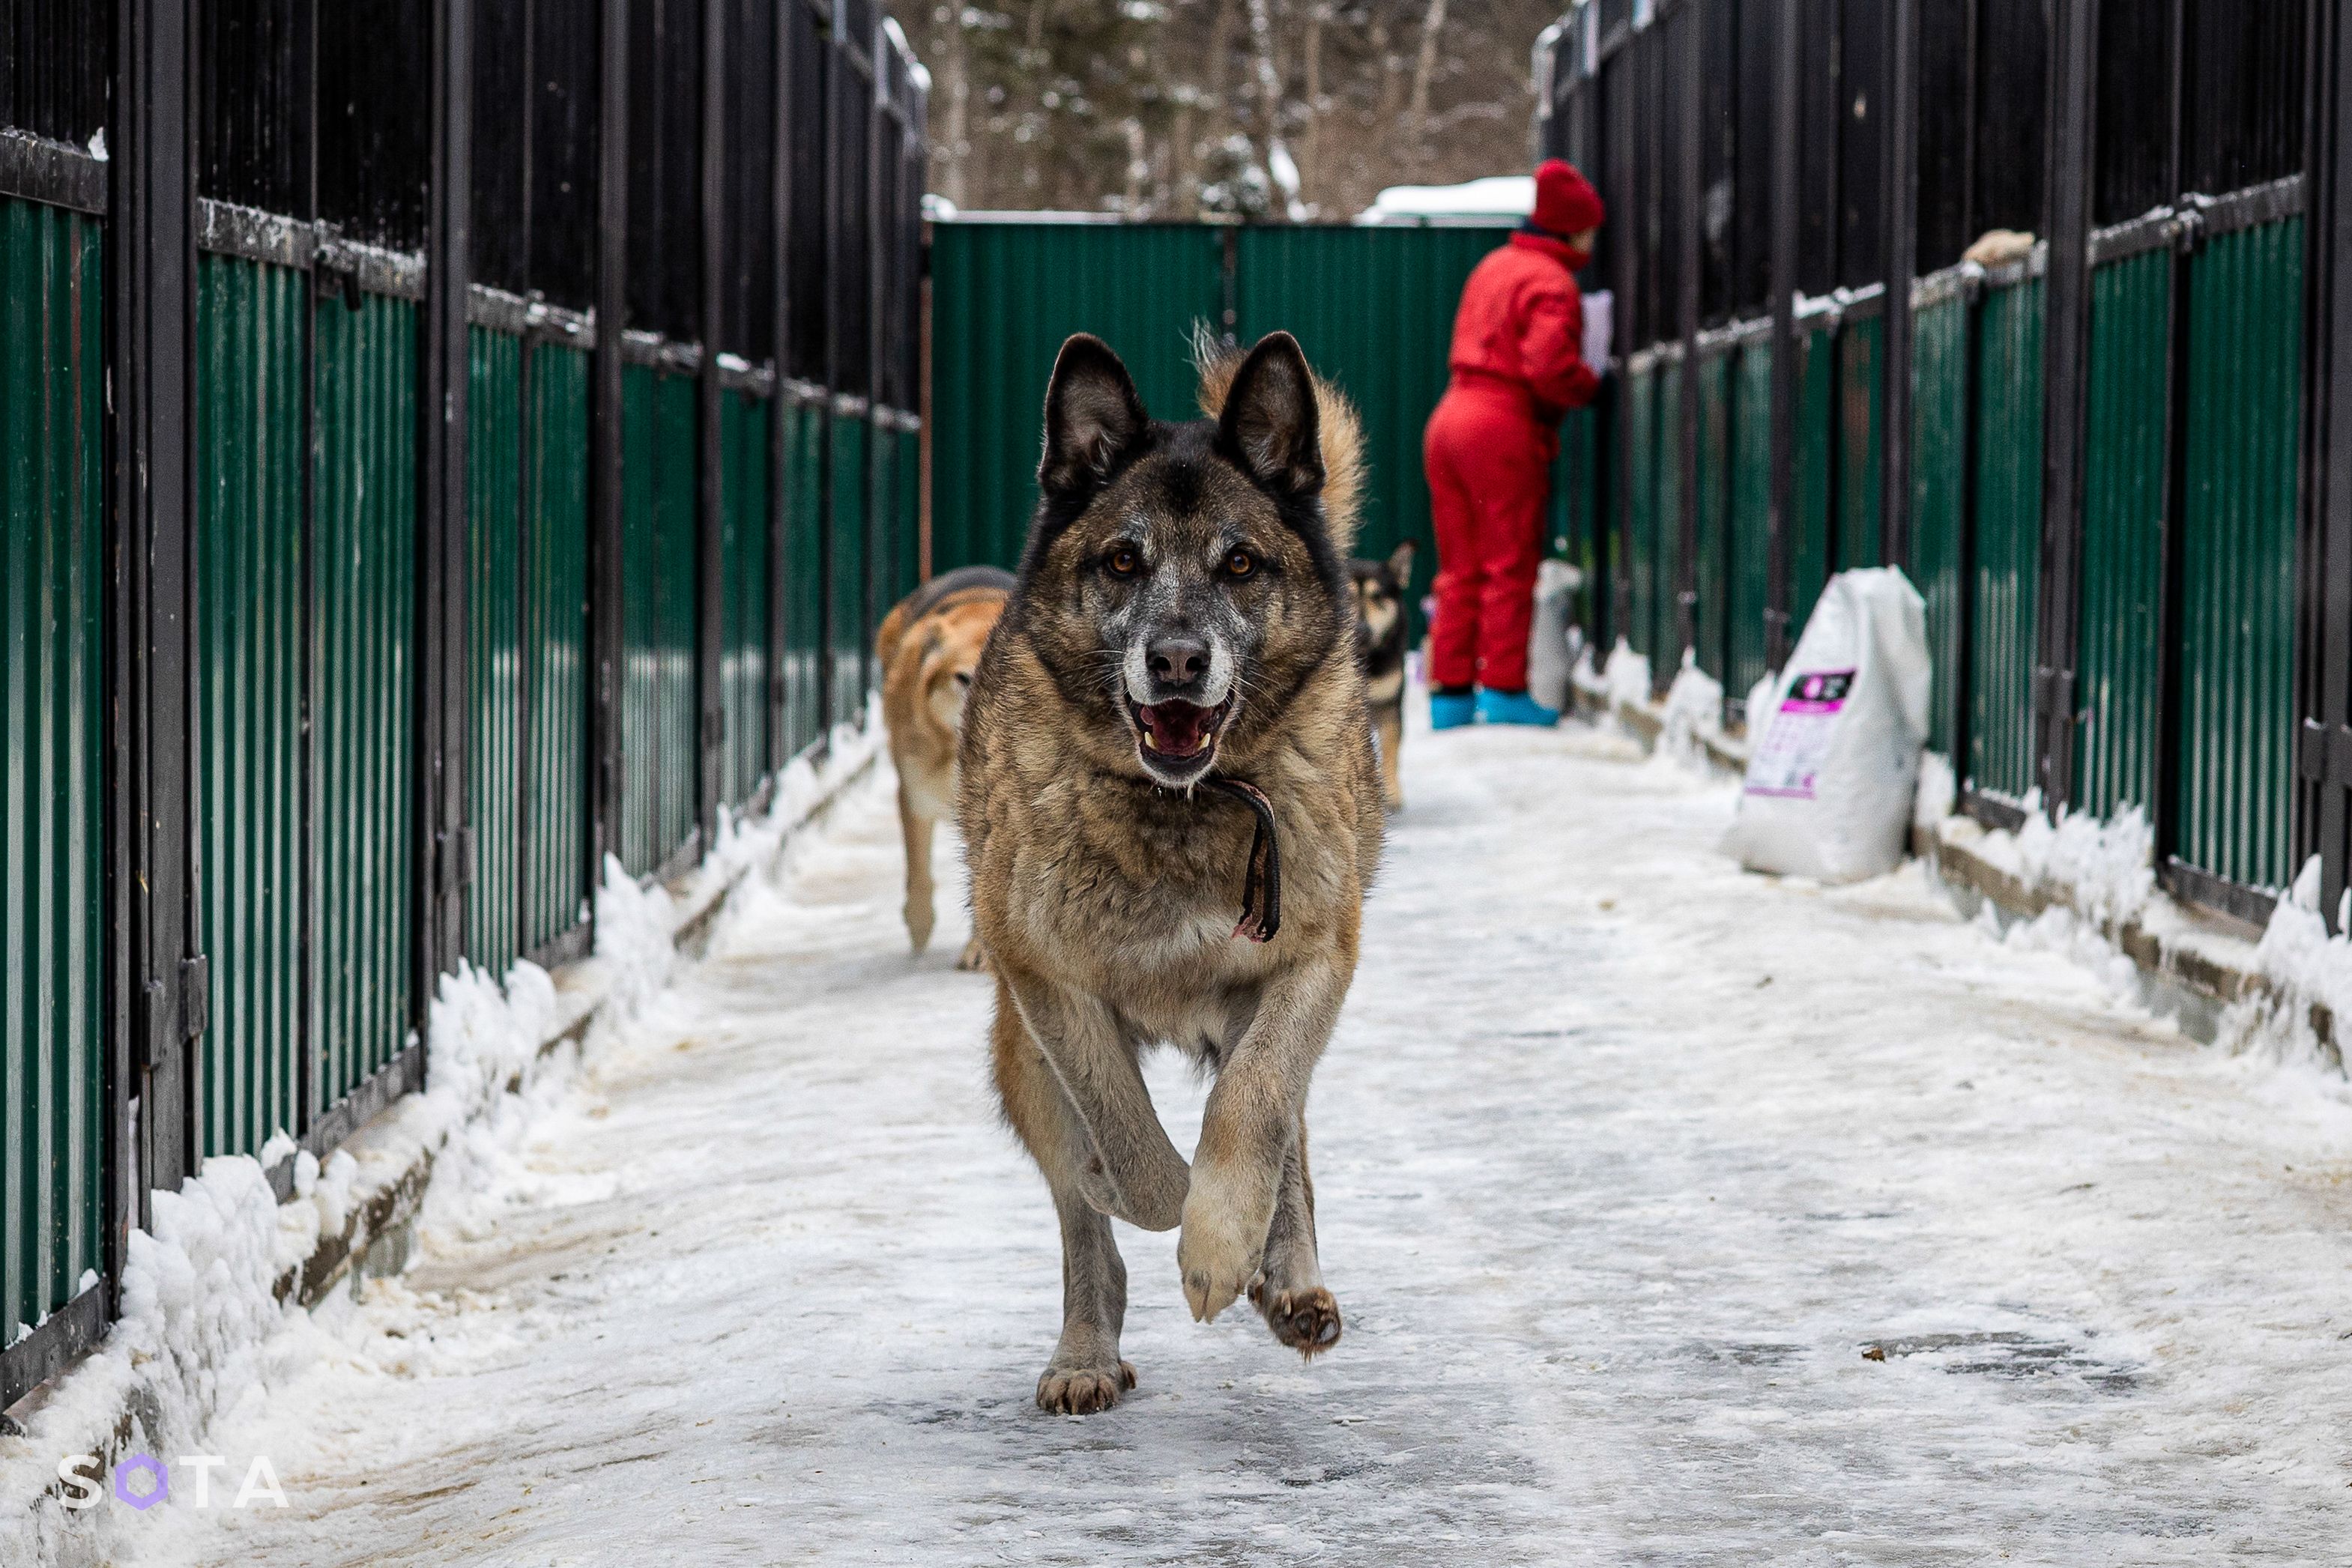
[1182,612]
[928,648]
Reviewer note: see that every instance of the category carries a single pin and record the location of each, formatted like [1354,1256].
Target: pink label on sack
[1790,758]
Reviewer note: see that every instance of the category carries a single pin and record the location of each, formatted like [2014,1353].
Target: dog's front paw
[1306,1320]
[1225,1220]
[1083,1390]
[919,925]
[974,958]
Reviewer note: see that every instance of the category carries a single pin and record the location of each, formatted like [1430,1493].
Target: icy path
[1623,1159]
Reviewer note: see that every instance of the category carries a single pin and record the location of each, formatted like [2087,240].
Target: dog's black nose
[1178,661]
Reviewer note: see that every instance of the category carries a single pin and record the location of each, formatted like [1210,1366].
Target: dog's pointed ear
[1400,564]
[1270,424]
[1093,416]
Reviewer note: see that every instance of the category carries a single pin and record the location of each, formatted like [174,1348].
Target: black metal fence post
[782,410]
[2066,328]
[710,573]
[443,859]
[1690,82]
[2326,739]
[1785,218]
[604,437]
[1900,171]
[152,254]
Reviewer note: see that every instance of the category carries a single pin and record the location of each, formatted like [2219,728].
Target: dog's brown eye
[1123,563]
[1240,563]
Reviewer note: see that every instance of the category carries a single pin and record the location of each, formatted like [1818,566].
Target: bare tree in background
[1169,109]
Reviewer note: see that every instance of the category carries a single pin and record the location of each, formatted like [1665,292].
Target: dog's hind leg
[1390,723]
[1289,1286]
[1085,1374]
[915,829]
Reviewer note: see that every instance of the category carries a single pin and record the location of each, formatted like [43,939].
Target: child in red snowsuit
[1518,366]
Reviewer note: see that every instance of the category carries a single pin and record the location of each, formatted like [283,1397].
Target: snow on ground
[1623,1160]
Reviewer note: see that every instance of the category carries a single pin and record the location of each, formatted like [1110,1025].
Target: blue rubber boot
[1450,712]
[1513,707]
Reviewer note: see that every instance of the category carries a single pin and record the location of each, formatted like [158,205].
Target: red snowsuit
[1518,365]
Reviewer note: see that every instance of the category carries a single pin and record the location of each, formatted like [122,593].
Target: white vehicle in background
[1496,200]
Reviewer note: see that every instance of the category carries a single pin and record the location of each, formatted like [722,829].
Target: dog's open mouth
[1178,732]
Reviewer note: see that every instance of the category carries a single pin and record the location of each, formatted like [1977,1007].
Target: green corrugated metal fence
[1577,525]
[1372,307]
[1808,542]
[555,647]
[2236,719]
[1940,390]
[52,1052]
[845,607]
[2117,684]
[1666,525]
[246,646]
[494,679]
[1003,296]
[659,726]
[1714,500]
[1859,357]
[805,582]
[2007,564]
[908,468]
[1640,404]
[744,577]
[1748,582]
[364,619]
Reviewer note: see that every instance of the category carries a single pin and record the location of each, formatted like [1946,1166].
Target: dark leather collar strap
[1262,890]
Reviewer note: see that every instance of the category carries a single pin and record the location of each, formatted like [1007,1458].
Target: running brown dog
[1171,814]
[928,648]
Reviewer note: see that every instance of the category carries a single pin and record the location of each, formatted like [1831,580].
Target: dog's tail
[1342,433]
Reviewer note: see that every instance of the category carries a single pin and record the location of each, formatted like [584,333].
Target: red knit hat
[1565,203]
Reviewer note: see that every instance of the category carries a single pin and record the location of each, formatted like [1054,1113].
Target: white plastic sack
[1836,759]
[1550,657]
[1599,306]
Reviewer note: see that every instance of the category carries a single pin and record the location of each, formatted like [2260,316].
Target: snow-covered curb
[205,1295]
[2083,885]
[1688,724]
[2087,886]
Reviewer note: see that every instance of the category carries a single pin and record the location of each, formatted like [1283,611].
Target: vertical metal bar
[879,520]
[151,251]
[1901,168]
[440,811]
[828,478]
[604,457]
[1692,90]
[2065,350]
[2324,568]
[1969,205]
[308,881]
[710,573]
[779,478]
[527,826]
[1781,532]
[1964,599]
[923,398]
[2164,810]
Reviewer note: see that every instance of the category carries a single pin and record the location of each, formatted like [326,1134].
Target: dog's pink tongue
[1177,728]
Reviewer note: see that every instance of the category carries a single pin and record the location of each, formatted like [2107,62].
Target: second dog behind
[928,647]
[1377,591]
